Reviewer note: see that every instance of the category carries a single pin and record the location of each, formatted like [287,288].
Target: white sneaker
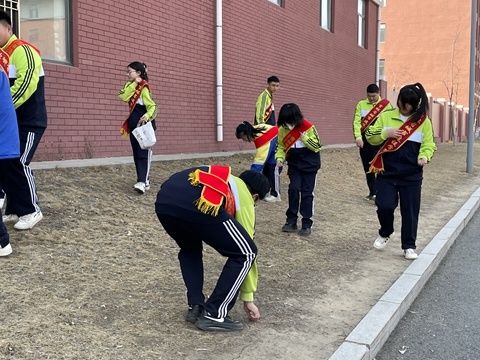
[139,187]
[5,251]
[147,186]
[410,254]
[271,198]
[10,218]
[2,202]
[28,221]
[381,242]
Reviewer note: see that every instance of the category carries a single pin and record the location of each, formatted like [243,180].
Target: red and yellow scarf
[393,144]
[373,114]
[10,48]
[124,131]
[215,189]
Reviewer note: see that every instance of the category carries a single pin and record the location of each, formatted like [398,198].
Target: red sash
[15,44]
[268,112]
[131,105]
[393,144]
[294,134]
[215,189]
[4,61]
[373,114]
[266,137]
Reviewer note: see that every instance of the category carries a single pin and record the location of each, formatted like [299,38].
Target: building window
[326,14]
[50,19]
[381,35]
[276,2]
[383,3]
[362,23]
[381,69]
[11,8]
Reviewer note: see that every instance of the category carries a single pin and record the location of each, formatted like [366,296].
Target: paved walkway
[368,337]
[444,321]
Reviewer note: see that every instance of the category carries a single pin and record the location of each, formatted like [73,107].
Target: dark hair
[290,114]
[273,78]
[256,182]
[415,96]
[249,130]
[4,17]
[141,68]
[373,89]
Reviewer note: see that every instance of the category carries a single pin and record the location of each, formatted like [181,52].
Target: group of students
[209,205]
[23,120]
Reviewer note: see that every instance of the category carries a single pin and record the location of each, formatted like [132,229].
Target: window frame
[381,69]
[277,2]
[382,32]
[330,16]
[362,20]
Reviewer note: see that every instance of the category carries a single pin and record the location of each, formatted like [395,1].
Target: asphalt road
[444,321]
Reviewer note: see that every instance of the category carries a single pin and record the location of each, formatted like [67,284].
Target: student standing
[9,142]
[406,137]
[265,139]
[27,87]
[366,113]
[207,204]
[136,92]
[264,108]
[298,145]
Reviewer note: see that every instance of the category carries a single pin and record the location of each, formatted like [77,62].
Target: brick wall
[325,73]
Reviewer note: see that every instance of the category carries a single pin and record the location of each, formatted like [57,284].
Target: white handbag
[145,135]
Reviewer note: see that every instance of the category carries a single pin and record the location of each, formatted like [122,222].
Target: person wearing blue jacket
[9,143]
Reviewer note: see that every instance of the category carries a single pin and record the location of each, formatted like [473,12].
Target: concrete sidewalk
[368,337]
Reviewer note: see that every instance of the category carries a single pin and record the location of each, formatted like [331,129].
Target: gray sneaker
[193,313]
[208,323]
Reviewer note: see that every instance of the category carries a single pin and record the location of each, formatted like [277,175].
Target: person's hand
[142,121]
[252,310]
[359,143]
[394,133]
[422,162]
[279,163]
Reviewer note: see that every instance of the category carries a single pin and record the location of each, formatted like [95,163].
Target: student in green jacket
[207,204]
[366,113]
[298,145]
[264,108]
[406,137]
[136,92]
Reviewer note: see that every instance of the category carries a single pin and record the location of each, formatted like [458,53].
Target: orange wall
[419,39]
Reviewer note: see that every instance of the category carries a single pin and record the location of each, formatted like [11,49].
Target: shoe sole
[217,328]
[139,191]
[290,231]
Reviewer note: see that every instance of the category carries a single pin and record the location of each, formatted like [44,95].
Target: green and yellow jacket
[362,108]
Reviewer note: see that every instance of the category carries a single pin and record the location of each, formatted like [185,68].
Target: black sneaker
[194,312]
[289,228]
[305,231]
[207,323]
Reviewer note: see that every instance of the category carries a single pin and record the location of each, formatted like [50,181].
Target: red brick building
[324,71]
[429,42]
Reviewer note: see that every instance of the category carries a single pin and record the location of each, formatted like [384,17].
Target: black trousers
[142,159]
[229,238]
[389,192]
[367,153]
[300,196]
[4,238]
[16,176]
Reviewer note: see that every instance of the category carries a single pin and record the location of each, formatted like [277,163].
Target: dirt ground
[98,278]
